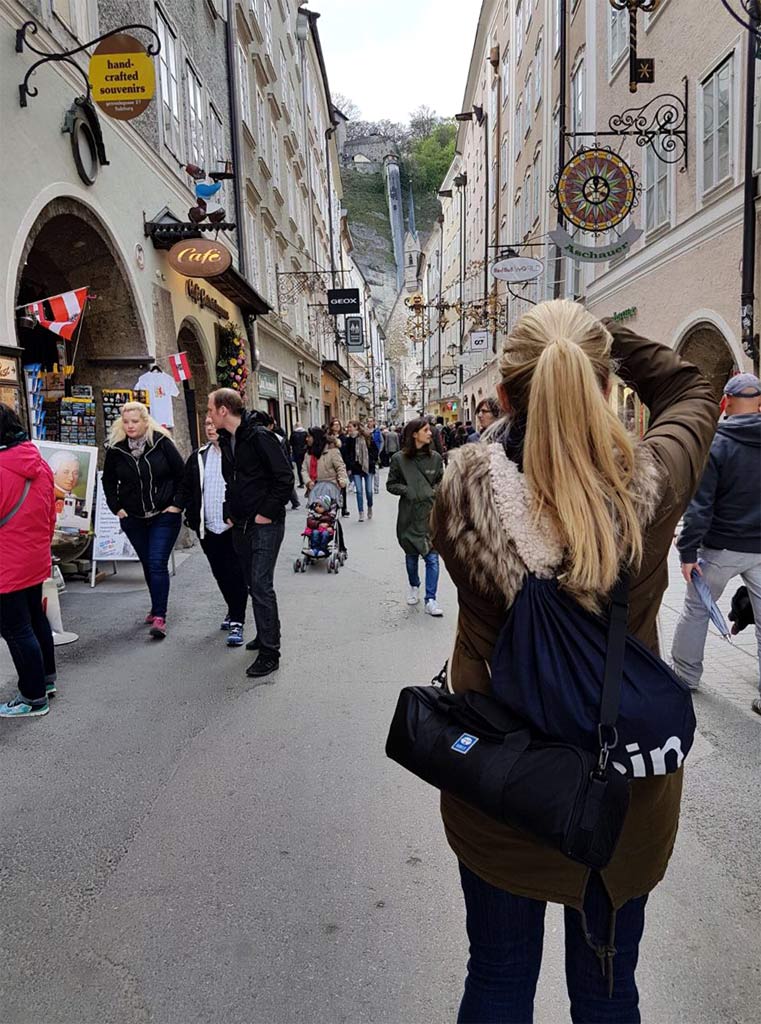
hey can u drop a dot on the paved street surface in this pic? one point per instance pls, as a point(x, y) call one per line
point(181, 846)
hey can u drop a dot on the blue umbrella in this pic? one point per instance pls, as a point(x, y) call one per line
point(713, 609)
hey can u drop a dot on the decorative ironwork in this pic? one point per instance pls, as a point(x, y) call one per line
point(292, 285)
point(641, 69)
point(751, 9)
point(596, 190)
point(66, 56)
point(660, 123)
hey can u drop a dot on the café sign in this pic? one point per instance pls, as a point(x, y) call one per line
point(199, 257)
point(516, 269)
point(202, 298)
point(122, 77)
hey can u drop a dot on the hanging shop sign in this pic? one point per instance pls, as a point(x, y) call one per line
point(8, 370)
point(343, 300)
point(363, 390)
point(591, 253)
point(122, 77)
point(268, 384)
point(596, 190)
point(449, 377)
point(516, 269)
point(355, 337)
point(199, 257)
point(479, 341)
point(289, 393)
point(201, 298)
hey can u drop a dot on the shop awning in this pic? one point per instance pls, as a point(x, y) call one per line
point(236, 288)
point(334, 368)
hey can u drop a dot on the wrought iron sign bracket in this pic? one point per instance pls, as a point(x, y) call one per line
point(664, 127)
point(67, 56)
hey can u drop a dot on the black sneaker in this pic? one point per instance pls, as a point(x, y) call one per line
point(264, 665)
point(253, 645)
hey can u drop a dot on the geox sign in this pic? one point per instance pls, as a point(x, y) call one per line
point(343, 300)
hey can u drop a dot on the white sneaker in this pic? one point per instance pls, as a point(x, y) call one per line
point(361, 517)
point(414, 595)
point(433, 609)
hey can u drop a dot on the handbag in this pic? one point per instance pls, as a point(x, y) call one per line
point(475, 748)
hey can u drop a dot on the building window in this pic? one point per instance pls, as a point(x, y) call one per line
point(73, 14)
point(196, 141)
point(276, 158)
point(539, 72)
point(269, 268)
point(518, 129)
point(619, 35)
point(253, 247)
point(216, 147)
point(536, 188)
point(519, 29)
point(528, 90)
point(170, 92)
point(556, 25)
point(657, 198)
point(503, 161)
point(577, 98)
point(261, 126)
point(268, 27)
point(505, 75)
point(245, 85)
point(555, 142)
point(717, 126)
point(527, 203)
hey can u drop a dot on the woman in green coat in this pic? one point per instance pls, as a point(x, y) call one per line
point(414, 475)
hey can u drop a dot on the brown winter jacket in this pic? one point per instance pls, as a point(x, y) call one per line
point(471, 530)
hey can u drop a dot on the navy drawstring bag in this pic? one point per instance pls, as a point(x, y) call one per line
point(547, 667)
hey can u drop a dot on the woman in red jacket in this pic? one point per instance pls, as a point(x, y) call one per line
point(27, 521)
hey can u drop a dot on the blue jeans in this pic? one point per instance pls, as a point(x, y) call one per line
point(25, 628)
point(361, 482)
point(506, 933)
point(431, 573)
point(153, 540)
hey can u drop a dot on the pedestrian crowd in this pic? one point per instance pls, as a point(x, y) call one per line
point(547, 502)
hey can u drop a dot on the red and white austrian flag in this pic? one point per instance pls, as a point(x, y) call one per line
point(180, 367)
point(60, 313)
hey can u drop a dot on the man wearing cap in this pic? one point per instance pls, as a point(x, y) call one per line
point(721, 535)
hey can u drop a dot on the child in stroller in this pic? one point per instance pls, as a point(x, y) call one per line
point(320, 529)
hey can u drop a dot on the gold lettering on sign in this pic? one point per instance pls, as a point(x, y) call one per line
point(199, 258)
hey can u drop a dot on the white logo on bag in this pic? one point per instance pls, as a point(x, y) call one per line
point(657, 758)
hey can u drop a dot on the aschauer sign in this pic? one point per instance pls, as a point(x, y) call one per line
point(199, 257)
point(121, 77)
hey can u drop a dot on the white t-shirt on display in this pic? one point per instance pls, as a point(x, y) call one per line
point(161, 390)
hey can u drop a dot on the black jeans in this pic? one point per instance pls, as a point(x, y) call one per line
point(257, 547)
point(298, 461)
point(226, 569)
point(153, 540)
point(25, 628)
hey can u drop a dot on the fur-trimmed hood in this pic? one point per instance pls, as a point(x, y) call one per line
point(485, 511)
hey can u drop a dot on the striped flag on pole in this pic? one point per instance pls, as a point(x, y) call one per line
point(65, 312)
point(180, 367)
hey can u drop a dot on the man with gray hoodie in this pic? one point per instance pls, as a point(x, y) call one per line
point(721, 534)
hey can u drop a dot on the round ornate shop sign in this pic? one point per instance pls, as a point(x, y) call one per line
point(199, 257)
point(596, 190)
point(121, 77)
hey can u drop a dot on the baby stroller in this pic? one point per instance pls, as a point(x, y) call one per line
point(323, 535)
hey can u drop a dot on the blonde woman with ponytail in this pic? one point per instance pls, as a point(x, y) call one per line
point(142, 478)
point(561, 490)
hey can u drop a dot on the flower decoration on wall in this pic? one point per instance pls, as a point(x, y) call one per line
point(232, 371)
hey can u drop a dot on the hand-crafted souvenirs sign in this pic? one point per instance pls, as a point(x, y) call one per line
point(121, 77)
point(516, 269)
point(199, 257)
point(596, 190)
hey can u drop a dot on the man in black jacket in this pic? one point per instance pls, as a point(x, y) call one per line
point(721, 533)
point(259, 483)
point(298, 442)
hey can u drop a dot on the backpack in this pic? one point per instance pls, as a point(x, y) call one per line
point(547, 667)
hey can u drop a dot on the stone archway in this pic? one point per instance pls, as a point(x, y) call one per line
point(189, 430)
point(705, 346)
point(68, 247)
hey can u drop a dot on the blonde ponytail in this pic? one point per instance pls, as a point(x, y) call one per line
point(577, 456)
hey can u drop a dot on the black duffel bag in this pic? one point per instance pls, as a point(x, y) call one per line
point(472, 746)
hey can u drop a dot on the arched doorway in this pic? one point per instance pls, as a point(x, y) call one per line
point(189, 433)
point(706, 347)
point(68, 248)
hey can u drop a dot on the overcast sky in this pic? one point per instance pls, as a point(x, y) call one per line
point(391, 56)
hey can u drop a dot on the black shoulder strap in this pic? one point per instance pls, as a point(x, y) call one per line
point(7, 518)
point(614, 656)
